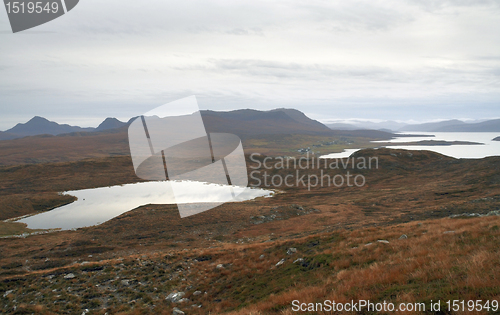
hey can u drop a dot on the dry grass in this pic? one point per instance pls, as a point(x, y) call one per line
point(429, 265)
point(152, 245)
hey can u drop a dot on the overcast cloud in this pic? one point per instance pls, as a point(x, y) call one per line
point(400, 60)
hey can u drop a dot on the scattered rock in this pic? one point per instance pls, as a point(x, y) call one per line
point(262, 256)
point(184, 300)
point(368, 244)
point(177, 311)
point(403, 237)
point(174, 297)
point(383, 241)
point(7, 293)
point(69, 276)
point(125, 282)
point(298, 260)
point(291, 251)
point(448, 232)
point(196, 293)
point(494, 212)
point(491, 213)
point(465, 215)
point(220, 266)
point(281, 262)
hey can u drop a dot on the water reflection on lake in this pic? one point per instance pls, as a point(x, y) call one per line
point(345, 154)
point(487, 148)
point(98, 205)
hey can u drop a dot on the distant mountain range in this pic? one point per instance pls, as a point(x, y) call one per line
point(370, 125)
point(442, 126)
point(434, 126)
point(42, 126)
point(111, 137)
point(456, 126)
point(249, 122)
point(239, 122)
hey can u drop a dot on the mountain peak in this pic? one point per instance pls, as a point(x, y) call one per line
point(37, 119)
point(110, 123)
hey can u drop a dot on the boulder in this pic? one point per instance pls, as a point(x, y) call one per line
point(69, 276)
point(175, 297)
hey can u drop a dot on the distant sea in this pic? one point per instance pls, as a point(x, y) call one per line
point(489, 147)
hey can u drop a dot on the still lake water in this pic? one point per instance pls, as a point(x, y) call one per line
point(98, 205)
point(489, 147)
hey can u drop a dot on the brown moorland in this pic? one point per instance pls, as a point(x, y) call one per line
point(228, 255)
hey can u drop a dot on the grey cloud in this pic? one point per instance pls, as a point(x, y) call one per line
point(234, 31)
point(435, 5)
point(268, 68)
point(324, 72)
point(351, 16)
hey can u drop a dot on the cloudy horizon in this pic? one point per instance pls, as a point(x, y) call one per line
point(412, 60)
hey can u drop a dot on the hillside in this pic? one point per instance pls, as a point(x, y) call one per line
point(7, 136)
point(301, 117)
point(252, 122)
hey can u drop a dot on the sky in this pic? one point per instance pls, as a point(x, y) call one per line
point(404, 60)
